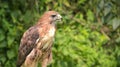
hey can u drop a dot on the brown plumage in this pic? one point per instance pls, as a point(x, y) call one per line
point(36, 42)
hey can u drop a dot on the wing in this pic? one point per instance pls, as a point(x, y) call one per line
point(28, 42)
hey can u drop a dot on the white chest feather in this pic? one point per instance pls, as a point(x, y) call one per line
point(47, 39)
point(51, 32)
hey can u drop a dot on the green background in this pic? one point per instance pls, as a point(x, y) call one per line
point(89, 35)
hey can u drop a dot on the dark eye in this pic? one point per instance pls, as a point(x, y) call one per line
point(53, 16)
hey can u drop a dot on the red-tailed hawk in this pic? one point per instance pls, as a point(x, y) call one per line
point(37, 41)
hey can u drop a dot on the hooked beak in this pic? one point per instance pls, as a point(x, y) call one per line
point(59, 17)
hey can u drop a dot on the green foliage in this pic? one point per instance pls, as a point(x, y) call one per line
point(88, 37)
point(78, 48)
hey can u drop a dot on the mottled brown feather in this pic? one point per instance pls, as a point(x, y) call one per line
point(27, 44)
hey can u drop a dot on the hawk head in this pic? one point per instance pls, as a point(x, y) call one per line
point(50, 17)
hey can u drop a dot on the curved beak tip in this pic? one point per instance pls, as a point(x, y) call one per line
point(59, 16)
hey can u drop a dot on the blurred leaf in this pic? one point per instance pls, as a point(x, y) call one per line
point(3, 44)
point(28, 17)
point(10, 40)
point(2, 11)
point(14, 16)
point(118, 40)
point(2, 37)
point(6, 24)
point(116, 23)
point(2, 58)
point(81, 1)
point(47, 1)
point(66, 2)
point(101, 4)
point(10, 54)
point(90, 15)
point(107, 9)
point(8, 64)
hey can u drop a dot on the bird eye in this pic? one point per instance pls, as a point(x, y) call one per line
point(53, 16)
